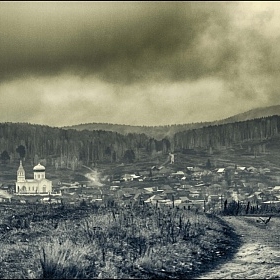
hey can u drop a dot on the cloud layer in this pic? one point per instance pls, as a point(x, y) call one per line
point(146, 63)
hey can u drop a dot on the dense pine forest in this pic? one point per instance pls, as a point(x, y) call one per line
point(72, 148)
point(256, 131)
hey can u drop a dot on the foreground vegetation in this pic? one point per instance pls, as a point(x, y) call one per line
point(137, 241)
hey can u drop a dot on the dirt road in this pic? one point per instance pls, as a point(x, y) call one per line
point(259, 255)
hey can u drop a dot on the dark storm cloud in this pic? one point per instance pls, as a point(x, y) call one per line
point(145, 63)
point(119, 42)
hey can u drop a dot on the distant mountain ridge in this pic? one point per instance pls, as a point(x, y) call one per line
point(254, 114)
point(167, 131)
point(157, 132)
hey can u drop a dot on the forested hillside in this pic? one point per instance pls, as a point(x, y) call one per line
point(226, 135)
point(162, 131)
point(70, 148)
point(157, 132)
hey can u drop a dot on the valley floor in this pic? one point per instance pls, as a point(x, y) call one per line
point(259, 255)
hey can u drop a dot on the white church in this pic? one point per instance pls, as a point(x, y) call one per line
point(38, 185)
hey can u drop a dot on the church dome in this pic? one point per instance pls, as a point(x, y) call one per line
point(39, 167)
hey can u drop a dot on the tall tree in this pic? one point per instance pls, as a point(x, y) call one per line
point(129, 156)
point(5, 157)
point(21, 151)
point(208, 164)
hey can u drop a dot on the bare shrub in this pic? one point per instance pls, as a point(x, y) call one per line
point(66, 261)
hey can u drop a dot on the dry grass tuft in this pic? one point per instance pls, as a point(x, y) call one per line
point(66, 261)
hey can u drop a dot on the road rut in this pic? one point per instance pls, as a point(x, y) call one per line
point(259, 254)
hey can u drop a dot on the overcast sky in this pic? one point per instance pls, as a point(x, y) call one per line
point(137, 63)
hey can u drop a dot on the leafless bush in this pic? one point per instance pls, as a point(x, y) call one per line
point(66, 261)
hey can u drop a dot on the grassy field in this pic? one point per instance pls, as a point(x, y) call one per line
point(140, 241)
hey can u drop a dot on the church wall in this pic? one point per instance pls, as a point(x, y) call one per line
point(38, 185)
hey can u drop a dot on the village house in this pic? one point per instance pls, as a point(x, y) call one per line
point(190, 168)
point(276, 190)
point(252, 169)
point(127, 193)
point(69, 188)
point(271, 202)
point(94, 193)
point(185, 199)
point(8, 187)
point(270, 197)
point(241, 168)
point(166, 187)
point(194, 194)
point(5, 196)
point(148, 190)
point(264, 171)
point(129, 177)
point(175, 185)
point(49, 200)
point(154, 199)
point(169, 194)
point(198, 204)
point(145, 195)
point(214, 198)
point(256, 198)
point(183, 192)
point(178, 174)
point(114, 188)
point(221, 171)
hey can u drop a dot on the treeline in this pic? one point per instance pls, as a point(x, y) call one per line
point(70, 148)
point(157, 132)
point(225, 135)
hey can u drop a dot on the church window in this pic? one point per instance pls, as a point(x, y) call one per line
point(44, 188)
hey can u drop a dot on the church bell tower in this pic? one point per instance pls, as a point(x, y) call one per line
point(20, 173)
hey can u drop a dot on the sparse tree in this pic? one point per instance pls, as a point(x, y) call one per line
point(5, 157)
point(129, 156)
point(208, 164)
point(21, 151)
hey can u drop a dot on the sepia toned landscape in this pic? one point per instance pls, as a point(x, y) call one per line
point(131, 206)
point(139, 140)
